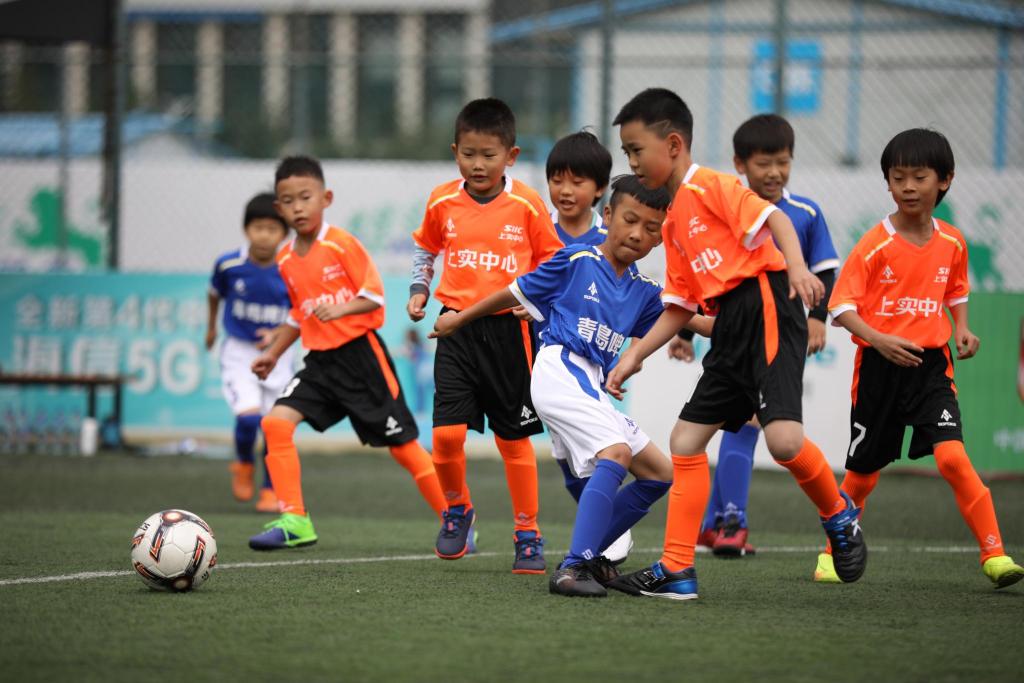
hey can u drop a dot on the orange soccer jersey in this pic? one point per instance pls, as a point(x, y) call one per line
point(335, 270)
point(899, 288)
point(486, 246)
point(715, 237)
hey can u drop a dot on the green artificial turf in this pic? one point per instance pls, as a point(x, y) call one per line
point(922, 612)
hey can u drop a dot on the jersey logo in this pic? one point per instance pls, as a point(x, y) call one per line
point(942, 275)
point(592, 296)
point(706, 261)
point(332, 272)
point(391, 427)
point(527, 416)
point(888, 276)
point(513, 233)
point(946, 420)
point(450, 226)
point(240, 287)
point(696, 227)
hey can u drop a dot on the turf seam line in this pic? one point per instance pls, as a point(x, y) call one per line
point(82, 576)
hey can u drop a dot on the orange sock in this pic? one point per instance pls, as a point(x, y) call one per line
point(417, 462)
point(972, 497)
point(521, 475)
point(450, 463)
point(858, 486)
point(814, 476)
point(687, 498)
point(282, 461)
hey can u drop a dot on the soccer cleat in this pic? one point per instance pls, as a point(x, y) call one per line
point(849, 553)
point(707, 537)
point(241, 480)
point(657, 582)
point(731, 540)
point(529, 553)
point(603, 570)
point(1003, 571)
point(456, 526)
point(825, 572)
point(472, 538)
point(287, 531)
point(267, 501)
point(576, 581)
point(618, 551)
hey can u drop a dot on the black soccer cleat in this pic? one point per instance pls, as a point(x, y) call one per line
point(576, 581)
point(657, 582)
point(604, 570)
point(849, 552)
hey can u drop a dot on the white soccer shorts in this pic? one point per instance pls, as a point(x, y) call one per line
point(580, 417)
point(244, 391)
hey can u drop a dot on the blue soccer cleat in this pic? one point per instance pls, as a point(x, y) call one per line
point(657, 582)
point(456, 528)
point(287, 531)
point(529, 553)
point(849, 553)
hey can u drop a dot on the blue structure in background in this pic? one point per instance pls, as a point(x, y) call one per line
point(802, 76)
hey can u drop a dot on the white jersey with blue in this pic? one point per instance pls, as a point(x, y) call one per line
point(593, 236)
point(811, 229)
point(589, 310)
point(254, 296)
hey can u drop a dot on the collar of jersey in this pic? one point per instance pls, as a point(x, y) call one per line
point(632, 268)
point(507, 188)
point(689, 172)
point(891, 229)
point(319, 236)
point(596, 220)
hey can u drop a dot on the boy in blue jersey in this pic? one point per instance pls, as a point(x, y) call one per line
point(578, 170)
point(763, 148)
point(593, 300)
point(255, 302)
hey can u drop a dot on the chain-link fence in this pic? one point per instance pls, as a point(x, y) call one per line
point(213, 96)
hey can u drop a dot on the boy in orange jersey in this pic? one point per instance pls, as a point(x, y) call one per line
point(890, 296)
point(491, 229)
point(738, 256)
point(337, 305)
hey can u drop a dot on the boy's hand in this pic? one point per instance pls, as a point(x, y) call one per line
point(415, 307)
point(966, 344)
point(815, 336)
point(521, 313)
point(445, 325)
point(897, 350)
point(681, 349)
point(263, 365)
point(328, 312)
point(627, 366)
point(211, 337)
point(806, 285)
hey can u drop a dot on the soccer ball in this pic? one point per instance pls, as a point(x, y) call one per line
point(174, 550)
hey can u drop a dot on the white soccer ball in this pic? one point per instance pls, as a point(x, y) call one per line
point(174, 550)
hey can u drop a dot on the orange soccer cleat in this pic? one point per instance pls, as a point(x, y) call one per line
point(241, 480)
point(267, 501)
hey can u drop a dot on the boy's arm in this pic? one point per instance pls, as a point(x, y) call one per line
point(894, 349)
point(451, 321)
point(967, 342)
point(802, 282)
point(672, 319)
point(360, 304)
point(284, 335)
point(816, 327)
point(212, 305)
point(422, 275)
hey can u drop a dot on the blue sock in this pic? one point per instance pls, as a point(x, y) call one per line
point(595, 512)
point(246, 429)
point(713, 515)
point(267, 483)
point(736, 462)
point(573, 484)
point(631, 504)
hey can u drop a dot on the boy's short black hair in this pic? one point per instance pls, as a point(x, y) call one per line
point(765, 133)
point(298, 166)
point(920, 147)
point(659, 108)
point(658, 198)
point(262, 206)
point(583, 155)
point(490, 116)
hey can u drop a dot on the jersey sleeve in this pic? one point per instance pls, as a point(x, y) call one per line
point(741, 208)
point(677, 288)
point(363, 271)
point(428, 235)
point(537, 289)
point(821, 254)
point(850, 286)
point(959, 285)
point(543, 237)
point(219, 281)
point(650, 313)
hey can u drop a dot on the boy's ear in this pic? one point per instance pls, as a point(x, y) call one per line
point(676, 144)
point(455, 148)
point(328, 198)
point(513, 153)
point(607, 215)
point(740, 165)
point(944, 184)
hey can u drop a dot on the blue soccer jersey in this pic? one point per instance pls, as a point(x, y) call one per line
point(815, 240)
point(588, 309)
point(254, 296)
point(593, 237)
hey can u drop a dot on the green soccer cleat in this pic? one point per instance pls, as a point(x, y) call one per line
point(825, 572)
point(1003, 571)
point(287, 531)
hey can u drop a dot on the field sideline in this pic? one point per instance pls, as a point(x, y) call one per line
point(370, 603)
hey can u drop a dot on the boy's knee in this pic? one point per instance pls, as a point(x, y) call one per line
point(784, 438)
point(449, 438)
point(618, 453)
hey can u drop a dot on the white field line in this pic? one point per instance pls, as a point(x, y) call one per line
point(82, 576)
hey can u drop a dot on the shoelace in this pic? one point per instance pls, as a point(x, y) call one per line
point(453, 523)
point(528, 547)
